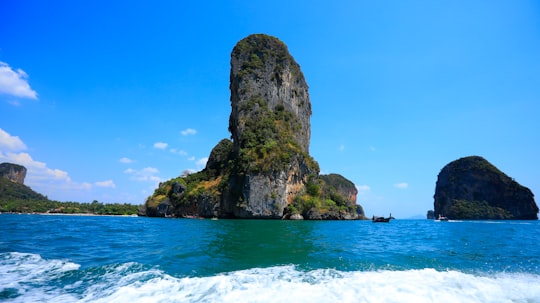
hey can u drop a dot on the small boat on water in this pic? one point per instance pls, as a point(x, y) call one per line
point(376, 219)
point(442, 218)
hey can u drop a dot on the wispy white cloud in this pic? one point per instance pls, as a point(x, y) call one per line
point(9, 152)
point(363, 188)
point(146, 174)
point(201, 163)
point(125, 160)
point(178, 151)
point(341, 147)
point(107, 183)
point(15, 83)
point(188, 131)
point(402, 185)
point(10, 143)
point(160, 145)
point(187, 172)
point(372, 148)
point(40, 177)
point(14, 102)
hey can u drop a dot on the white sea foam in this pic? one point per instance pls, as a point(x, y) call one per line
point(133, 283)
point(25, 277)
point(287, 284)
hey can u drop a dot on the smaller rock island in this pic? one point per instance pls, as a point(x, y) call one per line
point(472, 188)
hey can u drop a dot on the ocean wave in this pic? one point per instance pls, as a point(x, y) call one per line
point(30, 278)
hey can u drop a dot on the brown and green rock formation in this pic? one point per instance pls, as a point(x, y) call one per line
point(13, 172)
point(265, 171)
point(12, 184)
point(472, 188)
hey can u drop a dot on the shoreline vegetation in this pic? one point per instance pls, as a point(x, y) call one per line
point(15, 197)
point(48, 207)
point(73, 215)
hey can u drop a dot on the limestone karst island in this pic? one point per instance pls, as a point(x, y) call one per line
point(472, 188)
point(265, 171)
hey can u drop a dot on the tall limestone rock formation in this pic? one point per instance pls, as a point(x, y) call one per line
point(270, 126)
point(266, 170)
point(13, 172)
point(263, 73)
point(472, 188)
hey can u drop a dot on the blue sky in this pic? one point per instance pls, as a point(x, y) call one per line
point(102, 100)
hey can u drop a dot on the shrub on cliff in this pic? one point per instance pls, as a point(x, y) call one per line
point(327, 194)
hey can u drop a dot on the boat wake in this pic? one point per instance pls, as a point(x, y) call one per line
point(30, 278)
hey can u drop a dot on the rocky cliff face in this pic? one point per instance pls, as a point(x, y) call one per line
point(472, 188)
point(265, 77)
point(270, 126)
point(266, 170)
point(13, 172)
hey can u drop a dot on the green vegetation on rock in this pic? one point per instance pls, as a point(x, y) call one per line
point(474, 210)
point(267, 143)
point(325, 196)
point(260, 48)
point(10, 190)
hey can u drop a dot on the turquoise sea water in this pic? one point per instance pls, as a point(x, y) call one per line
point(47, 258)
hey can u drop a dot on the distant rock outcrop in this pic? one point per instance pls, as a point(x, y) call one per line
point(12, 186)
point(266, 170)
point(13, 172)
point(472, 188)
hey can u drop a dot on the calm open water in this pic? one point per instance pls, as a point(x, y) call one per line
point(130, 259)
